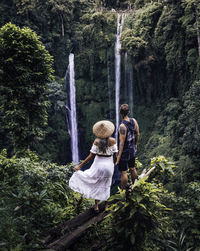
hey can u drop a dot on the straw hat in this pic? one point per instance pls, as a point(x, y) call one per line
point(103, 129)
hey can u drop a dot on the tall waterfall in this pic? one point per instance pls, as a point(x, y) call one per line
point(109, 84)
point(128, 83)
point(71, 108)
point(131, 88)
point(120, 20)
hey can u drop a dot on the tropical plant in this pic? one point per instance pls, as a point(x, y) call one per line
point(25, 69)
point(140, 215)
point(55, 146)
point(34, 198)
point(179, 245)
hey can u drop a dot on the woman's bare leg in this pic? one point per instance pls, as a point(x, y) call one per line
point(96, 205)
point(106, 204)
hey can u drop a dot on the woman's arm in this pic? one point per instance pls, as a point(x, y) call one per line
point(85, 161)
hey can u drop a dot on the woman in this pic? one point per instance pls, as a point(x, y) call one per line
point(95, 182)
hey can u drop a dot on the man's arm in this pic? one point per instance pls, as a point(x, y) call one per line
point(137, 132)
point(122, 137)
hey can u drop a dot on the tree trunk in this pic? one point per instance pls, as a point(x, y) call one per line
point(65, 235)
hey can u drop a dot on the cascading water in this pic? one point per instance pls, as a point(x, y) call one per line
point(125, 89)
point(109, 84)
point(71, 109)
point(128, 83)
point(120, 20)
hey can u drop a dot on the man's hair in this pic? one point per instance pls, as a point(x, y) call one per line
point(124, 110)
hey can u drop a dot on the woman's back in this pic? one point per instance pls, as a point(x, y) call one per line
point(104, 146)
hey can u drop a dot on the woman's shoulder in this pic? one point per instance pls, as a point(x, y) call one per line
point(96, 142)
point(111, 141)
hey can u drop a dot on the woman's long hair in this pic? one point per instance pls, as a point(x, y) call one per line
point(102, 144)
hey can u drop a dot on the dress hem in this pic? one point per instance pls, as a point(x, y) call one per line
point(88, 197)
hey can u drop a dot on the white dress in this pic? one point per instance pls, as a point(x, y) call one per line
point(95, 182)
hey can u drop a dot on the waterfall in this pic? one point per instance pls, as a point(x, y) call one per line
point(71, 109)
point(125, 89)
point(120, 20)
point(128, 83)
point(109, 84)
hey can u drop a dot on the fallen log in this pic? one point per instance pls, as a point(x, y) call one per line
point(145, 173)
point(68, 239)
point(64, 235)
point(72, 224)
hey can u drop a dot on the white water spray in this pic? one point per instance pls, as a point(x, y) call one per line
point(109, 84)
point(118, 45)
point(71, 107)
point(128, 83)
point(131, 88)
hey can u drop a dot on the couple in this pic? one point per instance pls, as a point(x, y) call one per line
point(95, 182)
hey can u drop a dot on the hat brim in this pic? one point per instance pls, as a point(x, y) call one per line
point(103, 129)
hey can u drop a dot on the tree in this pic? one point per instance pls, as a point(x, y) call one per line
point(189, 121)
point(25, 69)
point(56, 131)
point(191, 19)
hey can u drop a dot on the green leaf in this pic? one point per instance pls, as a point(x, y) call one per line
point(132, 239)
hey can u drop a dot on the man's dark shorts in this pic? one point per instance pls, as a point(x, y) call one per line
point(125, 164)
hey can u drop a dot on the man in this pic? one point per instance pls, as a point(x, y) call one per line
point(128, 139)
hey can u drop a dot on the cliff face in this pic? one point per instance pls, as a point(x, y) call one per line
point(159, 61)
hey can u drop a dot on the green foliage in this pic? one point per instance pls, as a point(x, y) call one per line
point(97, 32)
point(190, 119)
point(137, 216)
point(25, 70)
point(135, 45)
point(163, 139)
point(163, 170)
point(141, 25)
point(116, 4)
point(56, 132)
point(139, 41)
point(179, 245)
point(91, 108)
point(164, 53)
point(141, 3)
point(139, 219)
point(160, 37)
point(176, 133)
point(190, 20)
point(191, 23)
point(34, 197)
point(172, 45)
point(148, 115)
point(186, 216)
point(161, 40)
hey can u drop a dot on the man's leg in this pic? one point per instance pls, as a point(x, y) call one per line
point(124, 179)
point(132, 169)
point(134, 174)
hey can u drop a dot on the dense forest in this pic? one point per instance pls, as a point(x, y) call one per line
point(161, 48)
